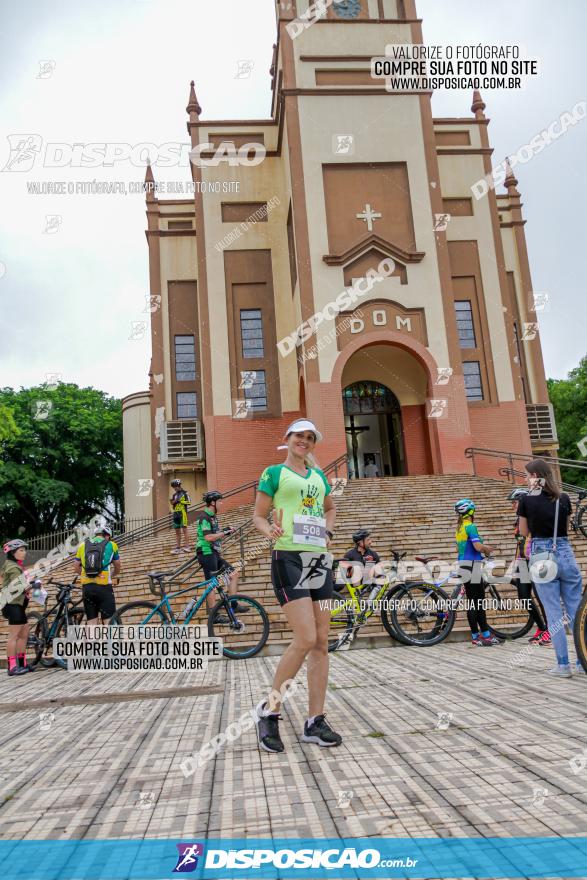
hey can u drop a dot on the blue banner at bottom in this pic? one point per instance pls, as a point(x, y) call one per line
point(257, 859)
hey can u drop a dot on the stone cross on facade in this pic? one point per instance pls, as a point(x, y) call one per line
point(368, 215)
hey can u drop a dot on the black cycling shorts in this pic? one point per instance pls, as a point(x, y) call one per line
point(99, 601)
point(213, 563)
point(301, 575)
point(15, 614)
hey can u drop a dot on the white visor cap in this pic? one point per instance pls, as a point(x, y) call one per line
point(303, 425)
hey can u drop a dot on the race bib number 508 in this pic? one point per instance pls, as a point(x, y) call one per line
point(309, 530)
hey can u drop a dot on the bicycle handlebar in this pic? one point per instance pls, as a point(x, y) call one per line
point(61, 585)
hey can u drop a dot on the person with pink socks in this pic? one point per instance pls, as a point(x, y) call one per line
point(13, 602)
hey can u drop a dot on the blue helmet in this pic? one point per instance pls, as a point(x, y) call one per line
point(465, 506)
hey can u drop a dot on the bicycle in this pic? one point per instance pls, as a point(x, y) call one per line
point(579, 520)
point(580, 631)
point(64, 612)
point(222, 620)
point(421, 613)
point(352, 613)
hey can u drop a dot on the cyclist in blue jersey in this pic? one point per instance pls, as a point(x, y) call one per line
point(471, 549)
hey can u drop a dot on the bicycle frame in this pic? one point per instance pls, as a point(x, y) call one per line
point(576, 517)
point(62, 612)
point(353, 603)
point(214, 583)
point(437, 585)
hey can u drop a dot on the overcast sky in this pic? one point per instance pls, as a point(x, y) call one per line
point(73, 287)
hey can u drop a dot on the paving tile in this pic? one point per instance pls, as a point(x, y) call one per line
point(485, 775)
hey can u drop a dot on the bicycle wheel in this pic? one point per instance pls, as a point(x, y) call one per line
point(38, 646)
point(37, 639)
point(243, 633)
point(503, 620)
point(341, 622)
point(386, 604)
point(418, 614)
point(582, 520)
point(580, 632)
point(75, 619)
point(136, 613)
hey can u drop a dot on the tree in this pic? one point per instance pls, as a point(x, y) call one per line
point(569, 399)
point(8, 427)
point(60, 458)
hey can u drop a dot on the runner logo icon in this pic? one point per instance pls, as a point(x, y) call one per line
point(315, 567)
point(187, 859)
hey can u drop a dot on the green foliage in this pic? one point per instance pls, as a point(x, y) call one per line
point(60, 458)
point(569, 399)
point(8, 429)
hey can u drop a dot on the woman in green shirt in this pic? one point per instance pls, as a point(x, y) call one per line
point(301, 573)
point(14, 600)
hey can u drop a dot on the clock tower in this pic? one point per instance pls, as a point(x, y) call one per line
point(365, 182)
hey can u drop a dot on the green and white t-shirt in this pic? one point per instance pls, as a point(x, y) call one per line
point(302, 502)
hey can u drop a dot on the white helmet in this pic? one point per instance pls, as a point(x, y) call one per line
point(103, 530)
point(304, 425)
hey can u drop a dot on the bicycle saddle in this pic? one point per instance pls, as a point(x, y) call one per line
point(425, 559)
point(158, 574)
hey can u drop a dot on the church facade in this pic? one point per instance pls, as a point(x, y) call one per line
point(336, 262)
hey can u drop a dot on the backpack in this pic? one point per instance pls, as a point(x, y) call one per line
point(94, 557)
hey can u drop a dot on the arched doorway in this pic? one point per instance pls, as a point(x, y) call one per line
point(373, 425)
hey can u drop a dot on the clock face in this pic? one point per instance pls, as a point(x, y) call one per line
point(347, 8)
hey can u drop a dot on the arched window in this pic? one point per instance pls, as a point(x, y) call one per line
point(369, 398)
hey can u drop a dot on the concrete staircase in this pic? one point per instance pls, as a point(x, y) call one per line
point(412, 514)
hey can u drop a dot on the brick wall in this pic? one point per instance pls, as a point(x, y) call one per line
point(416, 442)
point(237, 450)
point(499, 427)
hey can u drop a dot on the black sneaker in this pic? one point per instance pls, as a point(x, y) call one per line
point(268, 730)
point(238, 608)
point(321, 733)
point(16, 670)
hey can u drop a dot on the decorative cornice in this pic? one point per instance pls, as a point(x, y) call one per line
point(380, 244)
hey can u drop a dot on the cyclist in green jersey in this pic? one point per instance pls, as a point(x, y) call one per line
point(301, 573)
point(208, 538)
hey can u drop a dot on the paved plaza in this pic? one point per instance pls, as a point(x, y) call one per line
point(98, 755)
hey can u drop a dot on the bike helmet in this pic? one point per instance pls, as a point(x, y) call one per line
point(13, 545)
point(464, 506)
point(361, 535)
point(176, 483)
point(212, 495)
point(517, 493)
point(103, 530)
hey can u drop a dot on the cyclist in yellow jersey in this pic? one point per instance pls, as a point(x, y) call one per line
point(301, 573)
point(97, 591)
point(179, 503)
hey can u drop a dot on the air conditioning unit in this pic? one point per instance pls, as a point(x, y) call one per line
point(181, 440)
point(541, 423)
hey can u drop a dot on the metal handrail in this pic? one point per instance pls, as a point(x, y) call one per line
point(473, 451)
point(166, 521)
point(240, 531)
point(334, 465)
point(568, 487)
